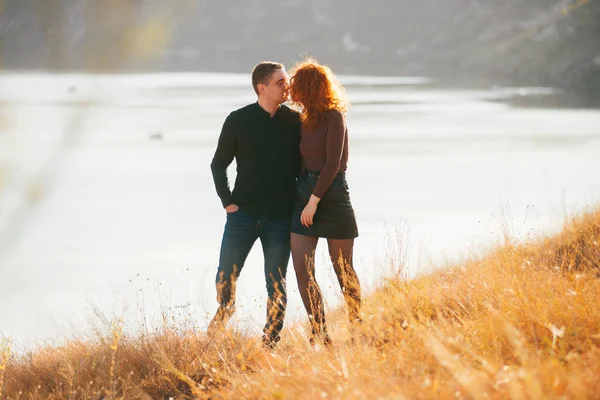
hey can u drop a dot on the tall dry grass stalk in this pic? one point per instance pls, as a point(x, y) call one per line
point(522, 322)
point(4, 357)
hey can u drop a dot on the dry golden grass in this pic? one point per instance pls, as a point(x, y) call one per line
point(523, 322)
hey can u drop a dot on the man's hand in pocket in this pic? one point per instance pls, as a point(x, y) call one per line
point(231, 208)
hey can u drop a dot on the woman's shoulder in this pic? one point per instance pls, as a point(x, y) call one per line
point(336, 116)
point(335, 113)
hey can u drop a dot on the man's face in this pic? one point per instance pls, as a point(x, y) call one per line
point(277, 88)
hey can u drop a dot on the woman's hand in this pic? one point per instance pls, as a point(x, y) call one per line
point(309, 211)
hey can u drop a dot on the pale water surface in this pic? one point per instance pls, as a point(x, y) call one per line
point(108, 206)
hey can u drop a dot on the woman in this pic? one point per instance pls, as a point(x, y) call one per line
point(322, 208)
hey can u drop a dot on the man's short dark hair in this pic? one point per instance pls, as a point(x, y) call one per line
point(262, 73)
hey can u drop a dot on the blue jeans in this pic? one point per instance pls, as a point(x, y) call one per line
point(241, 231)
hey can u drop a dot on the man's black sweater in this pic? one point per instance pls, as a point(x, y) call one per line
point(267, 154)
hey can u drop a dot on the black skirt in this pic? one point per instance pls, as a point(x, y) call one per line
point(334, 218)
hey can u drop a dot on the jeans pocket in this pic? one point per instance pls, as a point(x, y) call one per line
point(239, 225)
point(238, 218)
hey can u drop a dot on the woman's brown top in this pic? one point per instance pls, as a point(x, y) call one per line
point(325, 149)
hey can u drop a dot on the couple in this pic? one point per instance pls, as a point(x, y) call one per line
point(290, 190)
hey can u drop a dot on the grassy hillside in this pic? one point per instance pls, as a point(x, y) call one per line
point(522, 322)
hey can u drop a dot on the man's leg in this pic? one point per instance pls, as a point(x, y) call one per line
point(239, 236)
point(275, 240)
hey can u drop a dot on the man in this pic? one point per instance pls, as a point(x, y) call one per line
point(264, 139)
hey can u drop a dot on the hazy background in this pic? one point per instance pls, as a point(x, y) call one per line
point(472, 122)
point(524, 42)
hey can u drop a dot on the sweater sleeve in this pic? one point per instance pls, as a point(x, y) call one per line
point(336, 129)
point(222, 159)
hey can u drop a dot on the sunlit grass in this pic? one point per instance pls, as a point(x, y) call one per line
point(521, 322)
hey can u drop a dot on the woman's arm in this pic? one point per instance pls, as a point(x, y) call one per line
point(336, 129)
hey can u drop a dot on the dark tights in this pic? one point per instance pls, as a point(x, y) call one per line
point(340, 251)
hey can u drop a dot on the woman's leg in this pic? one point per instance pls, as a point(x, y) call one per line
point(341, 252)
point(303, 256)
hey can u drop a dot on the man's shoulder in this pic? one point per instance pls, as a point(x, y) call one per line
point(246, 110)
point(240, 116)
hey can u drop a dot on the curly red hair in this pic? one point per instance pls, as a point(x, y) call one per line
point(315, 89)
